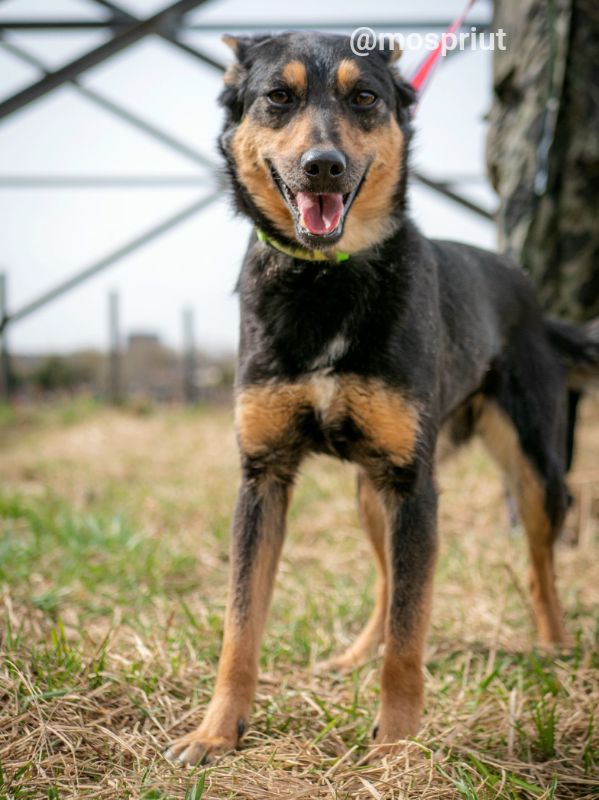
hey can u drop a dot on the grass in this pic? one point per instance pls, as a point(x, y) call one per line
point(113, 563)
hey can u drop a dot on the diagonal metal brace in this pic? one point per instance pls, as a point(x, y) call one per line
point(121, 40)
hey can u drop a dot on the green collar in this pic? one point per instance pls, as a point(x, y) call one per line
point(299, 252)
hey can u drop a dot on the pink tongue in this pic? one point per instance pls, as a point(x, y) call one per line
point(320, 213)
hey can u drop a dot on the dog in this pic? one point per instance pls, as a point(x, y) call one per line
point(362, 339)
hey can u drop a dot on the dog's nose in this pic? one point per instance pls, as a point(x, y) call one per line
point(323, 163)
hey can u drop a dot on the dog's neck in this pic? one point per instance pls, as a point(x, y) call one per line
point(293, 308)
point(300, 253)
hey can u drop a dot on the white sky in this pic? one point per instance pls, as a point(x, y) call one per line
point(48, 234)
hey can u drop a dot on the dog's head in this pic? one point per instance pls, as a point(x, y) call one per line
point(316, 138)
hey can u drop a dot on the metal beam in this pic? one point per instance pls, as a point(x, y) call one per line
point(443, 189)
point(396, 26)
point(120, 111)
point(114, 9)
point(169, 36)
point(109, 260)
point(46, 181)
point(198, 54)
point(128, 36)
point(102, 181)
point(136, 24)
point(54, 26)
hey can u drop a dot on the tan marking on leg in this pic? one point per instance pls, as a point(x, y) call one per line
point(348, 74)
point(402, 681)
point(368, 220)
point(231, 703)
point(501, 439)
point(295, 76)
point(541, 575)
point(265, 413)
point(385, 416)
point(372, 515)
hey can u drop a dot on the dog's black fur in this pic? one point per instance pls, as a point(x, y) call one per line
point(450, 331)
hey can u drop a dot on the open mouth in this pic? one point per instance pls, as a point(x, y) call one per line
point(317, 215)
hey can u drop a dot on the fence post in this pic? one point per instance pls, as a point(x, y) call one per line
point(115, 392)
point(5, 382)
point(190, 389)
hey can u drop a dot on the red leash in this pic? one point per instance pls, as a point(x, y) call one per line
point(424, 71)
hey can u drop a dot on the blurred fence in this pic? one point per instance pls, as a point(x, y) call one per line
point(133, 364)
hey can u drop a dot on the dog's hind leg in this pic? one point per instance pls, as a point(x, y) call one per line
point(541, 500)
point(372, 516)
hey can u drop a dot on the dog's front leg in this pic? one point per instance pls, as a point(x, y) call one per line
point(411, 551)
point(257, 537)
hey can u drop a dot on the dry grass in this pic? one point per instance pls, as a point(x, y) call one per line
point(113, 562)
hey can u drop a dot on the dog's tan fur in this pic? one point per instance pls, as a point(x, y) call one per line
point(266, 415)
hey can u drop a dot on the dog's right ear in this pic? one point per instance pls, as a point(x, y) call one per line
point(232, 95)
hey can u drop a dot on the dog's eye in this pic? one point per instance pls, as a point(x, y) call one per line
point(364, 99)
point(279, 98)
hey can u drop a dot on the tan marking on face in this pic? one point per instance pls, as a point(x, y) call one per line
point(389, 422)
point(252, 146)
point(348, 73)
point(368, 219)
point(295, 76)
point(501, 439)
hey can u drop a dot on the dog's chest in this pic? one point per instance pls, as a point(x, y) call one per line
point(340, 413)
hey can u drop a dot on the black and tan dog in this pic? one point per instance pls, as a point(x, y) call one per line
point(362, 339)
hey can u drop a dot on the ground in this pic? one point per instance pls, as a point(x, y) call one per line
point(113, 563)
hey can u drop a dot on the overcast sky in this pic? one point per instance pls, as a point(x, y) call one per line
point(48, 234)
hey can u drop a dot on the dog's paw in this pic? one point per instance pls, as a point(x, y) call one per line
point(198, 748)
point(391, 734)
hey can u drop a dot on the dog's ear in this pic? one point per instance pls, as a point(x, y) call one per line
point(405, 94)
point(243, 46)
point(390, 49)
point(234, 78)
